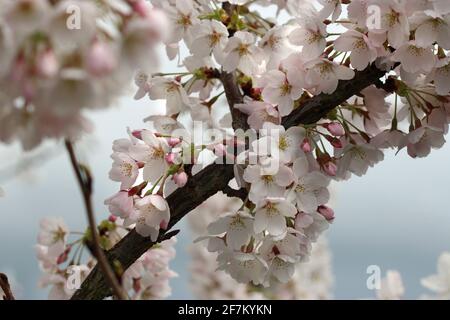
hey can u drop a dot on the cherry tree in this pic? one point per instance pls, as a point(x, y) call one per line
point(264, 110)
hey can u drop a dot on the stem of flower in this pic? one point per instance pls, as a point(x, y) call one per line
point(85, 183)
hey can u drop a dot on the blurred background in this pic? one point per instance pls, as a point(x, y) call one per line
point(396, 217)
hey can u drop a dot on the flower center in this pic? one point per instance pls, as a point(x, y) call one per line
point(243, 49)
point(58, 235)
point(214, 38)
point(300, 188)
point(416, 51)
point(267, 179)
point(184, 20)
point(157, 153)
point(314, 37)
point(283, 144)
point(360, 44)
point(285, 88)
point(237, 223)
point(271, 209)
point(126, 169)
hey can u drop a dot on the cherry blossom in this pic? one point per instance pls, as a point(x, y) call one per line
point(124, 170)
point(311, 35)
point(152, 153)
point(282, 90)
point(152, 213)
point(324, 75)
point(242, 53)
point(270, 215)
point(309, 187)
point(238, 227)
point(211, 36)
point(363, 51)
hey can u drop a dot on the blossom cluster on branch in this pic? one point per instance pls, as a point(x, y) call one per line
point(311, 280)
point(268, 71)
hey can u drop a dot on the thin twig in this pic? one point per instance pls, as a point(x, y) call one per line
point(4, 284)
point(85, 182)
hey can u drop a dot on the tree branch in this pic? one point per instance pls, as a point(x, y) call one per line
point(234, 96)
point(4, 285)
point(216, 177)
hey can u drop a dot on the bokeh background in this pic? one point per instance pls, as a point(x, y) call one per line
point(396, 217)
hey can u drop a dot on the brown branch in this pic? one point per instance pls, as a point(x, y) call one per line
point(85, 182)
point(216, 177)
point(319, 106)
point(4, 285)
point(234, 96)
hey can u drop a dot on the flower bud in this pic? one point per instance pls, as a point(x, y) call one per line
point(335, 142)
point(180, 179)
point(46, 64)
point(335, 128)
point(137, 134)
point(326, 212)
point(170, 158)
point(306, 146)
point(100, 59)
point(330, 168)
point(140, 7)
point(173, 142)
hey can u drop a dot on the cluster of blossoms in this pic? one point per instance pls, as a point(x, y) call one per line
point(312, 280)
point(392, 286)
point(60, 57)
point(65, 268)
point(278, 68)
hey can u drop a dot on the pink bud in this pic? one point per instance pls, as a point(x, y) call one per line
point(62, 258)
point(170, 158)
point(220, 150)
point(100, 59)
point(46, 64)
point(335, 142)
point(137, 134)
point(173, 142)
point(140, 7)
point(112, 218)
point(335, 128)
point(140, 164)
point(326, 212)
point(306, 146)
point(330, 168)
point(180, 179)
